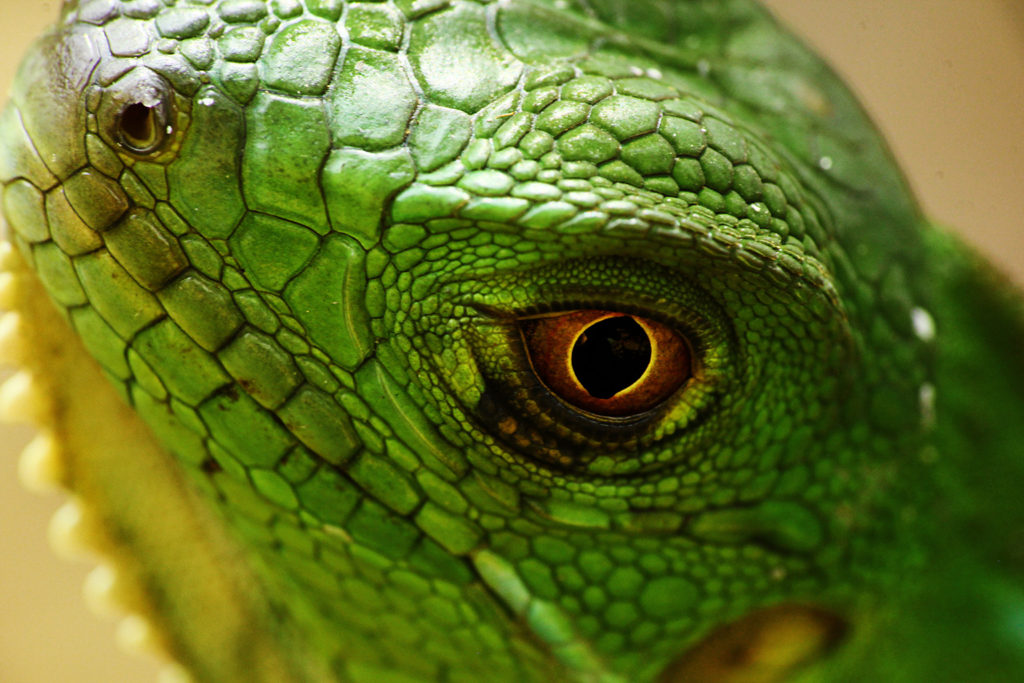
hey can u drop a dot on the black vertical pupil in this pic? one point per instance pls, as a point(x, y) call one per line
point(611, 355)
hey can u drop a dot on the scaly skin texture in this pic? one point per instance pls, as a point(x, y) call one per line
point(310, 290)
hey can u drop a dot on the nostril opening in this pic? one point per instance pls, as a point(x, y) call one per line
point(139, 127)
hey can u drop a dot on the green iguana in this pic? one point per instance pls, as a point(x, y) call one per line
point(512, 340)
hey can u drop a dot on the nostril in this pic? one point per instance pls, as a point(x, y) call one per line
point(137, 112)
point(140, 130)
point(137, 123)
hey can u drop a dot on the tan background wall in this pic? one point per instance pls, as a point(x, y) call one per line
point(945, 80)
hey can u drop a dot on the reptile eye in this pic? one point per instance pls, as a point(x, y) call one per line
point(606, 362)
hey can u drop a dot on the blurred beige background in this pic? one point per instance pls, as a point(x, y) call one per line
point(945, 81)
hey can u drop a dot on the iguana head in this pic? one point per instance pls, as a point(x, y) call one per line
point(527, 339)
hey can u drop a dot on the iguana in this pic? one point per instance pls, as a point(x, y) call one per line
point(525, 340)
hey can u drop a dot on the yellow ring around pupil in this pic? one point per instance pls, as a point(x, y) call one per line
point(551, 342)
point(638, 381)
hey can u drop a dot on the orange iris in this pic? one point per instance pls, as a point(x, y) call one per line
point(607, 362)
